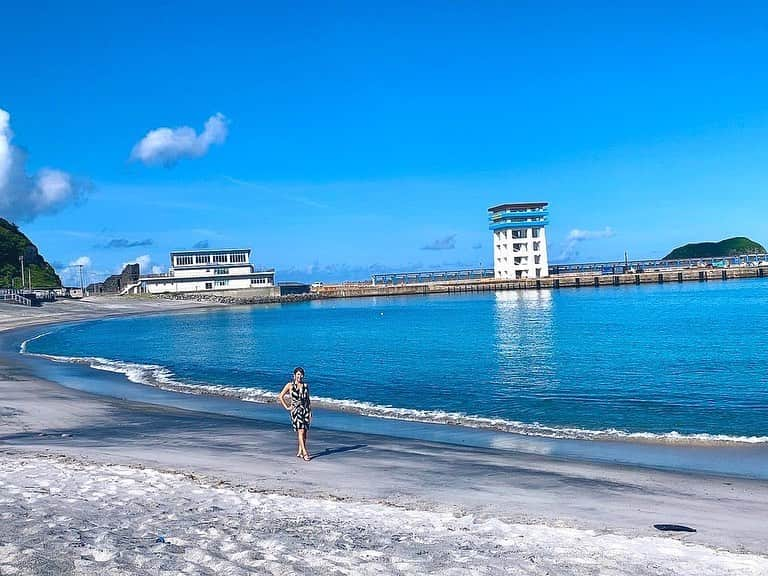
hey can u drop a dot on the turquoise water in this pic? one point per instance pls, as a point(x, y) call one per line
point(682, 362)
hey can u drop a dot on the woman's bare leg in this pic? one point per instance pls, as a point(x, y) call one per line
point(303, 442)
point(298, 437)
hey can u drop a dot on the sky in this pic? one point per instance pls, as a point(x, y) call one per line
point(337, 139)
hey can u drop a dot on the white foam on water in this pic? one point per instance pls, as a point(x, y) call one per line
point(178, 524)
point(162, 377)
point(23, 347)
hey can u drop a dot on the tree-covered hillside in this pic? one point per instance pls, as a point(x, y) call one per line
point(731, 247)
point(13, 243)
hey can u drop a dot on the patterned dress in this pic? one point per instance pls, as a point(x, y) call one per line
point(300, 407)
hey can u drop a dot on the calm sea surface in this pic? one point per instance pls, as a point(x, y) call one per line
point(640, 361)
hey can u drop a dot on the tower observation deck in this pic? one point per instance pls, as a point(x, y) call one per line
point(519, 240)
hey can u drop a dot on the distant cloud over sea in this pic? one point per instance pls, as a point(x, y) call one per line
point(446, 243)
point(576, 237)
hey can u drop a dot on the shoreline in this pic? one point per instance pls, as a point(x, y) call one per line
point(697, 454)
point(541, 496)
point(163, 378)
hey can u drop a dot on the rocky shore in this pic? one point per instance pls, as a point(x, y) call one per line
point(219, 299)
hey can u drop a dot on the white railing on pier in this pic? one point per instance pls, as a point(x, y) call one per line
point(651, 265)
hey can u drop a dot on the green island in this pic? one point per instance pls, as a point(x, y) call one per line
point(13, 245)
point(737, 246)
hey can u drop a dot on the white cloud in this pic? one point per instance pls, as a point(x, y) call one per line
point(157, 269)
point(167, 145)
point(25, 196)
point(144, 261)
point(81, 261)
point(577, 236)
point(70, 274)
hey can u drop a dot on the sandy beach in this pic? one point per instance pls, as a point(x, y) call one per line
point(97, 485)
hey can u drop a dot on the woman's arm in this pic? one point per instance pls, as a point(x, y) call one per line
point(281, 396)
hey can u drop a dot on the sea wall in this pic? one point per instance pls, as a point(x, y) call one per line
point(350, 290)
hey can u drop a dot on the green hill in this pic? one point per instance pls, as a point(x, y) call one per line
point(13, 243)
point(731, 247)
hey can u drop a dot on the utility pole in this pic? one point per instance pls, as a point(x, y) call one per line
point(82, 289)
point(29, 273)
point(21, 259)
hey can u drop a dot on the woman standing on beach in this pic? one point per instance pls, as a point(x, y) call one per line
point(300, 408)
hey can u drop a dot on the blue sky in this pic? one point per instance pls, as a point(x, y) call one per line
point(374, 135)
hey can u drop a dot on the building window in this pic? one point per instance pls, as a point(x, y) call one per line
point(237, 257)
point(208, 285)
point(183, 260)
point(538, 272)
point(536, 232)
point(202, 259)
point(536, 246)
point(219, 258)
point(219, 271)
point(220, 283)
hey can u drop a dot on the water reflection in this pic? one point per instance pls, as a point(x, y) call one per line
point(524, 323)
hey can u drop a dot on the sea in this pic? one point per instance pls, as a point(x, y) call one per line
point(673, 363)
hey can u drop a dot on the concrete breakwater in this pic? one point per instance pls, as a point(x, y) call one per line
point(362, 289)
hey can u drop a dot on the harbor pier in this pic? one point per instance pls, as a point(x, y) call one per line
point(594, 276)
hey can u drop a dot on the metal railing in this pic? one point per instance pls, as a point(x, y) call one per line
point(431, 276)
point(651, 265)
point(15, 296)
point(615, 267)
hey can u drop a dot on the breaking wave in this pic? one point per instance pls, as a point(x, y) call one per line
point(162, 377)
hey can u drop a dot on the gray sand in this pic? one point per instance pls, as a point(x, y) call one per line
point(39, 417)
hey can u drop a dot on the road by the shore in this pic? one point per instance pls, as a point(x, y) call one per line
point(40, 418)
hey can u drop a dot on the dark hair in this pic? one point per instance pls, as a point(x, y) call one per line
point(297, 370)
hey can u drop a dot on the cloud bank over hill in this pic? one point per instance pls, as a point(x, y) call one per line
point(25, 196)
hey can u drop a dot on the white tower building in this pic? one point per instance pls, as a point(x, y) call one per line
point(519, 240)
